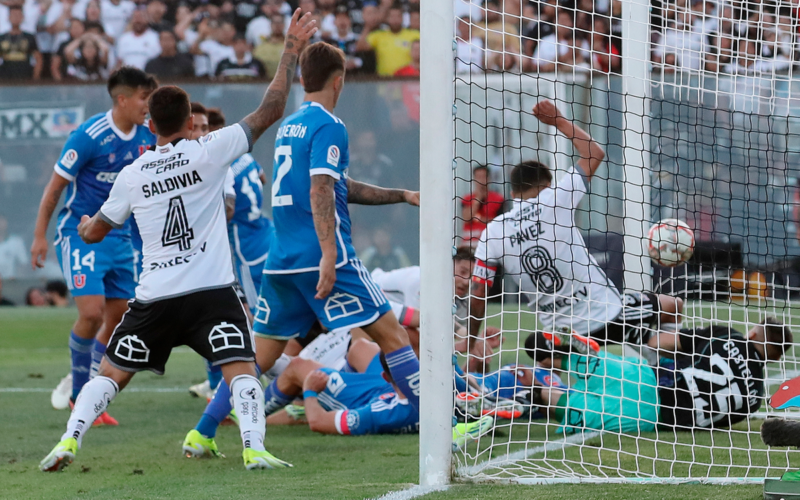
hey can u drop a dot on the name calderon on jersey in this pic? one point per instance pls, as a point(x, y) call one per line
point(171, 183)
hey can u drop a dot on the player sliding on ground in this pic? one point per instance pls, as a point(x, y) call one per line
point(715, 379)
point(540, 248)
point(312, 272)
point(185, 295)
point(100, 277)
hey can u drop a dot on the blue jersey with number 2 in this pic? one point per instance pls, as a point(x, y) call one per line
point(91, 159)
point(310, 142)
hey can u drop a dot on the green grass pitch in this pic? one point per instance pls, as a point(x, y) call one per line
point(142, 458)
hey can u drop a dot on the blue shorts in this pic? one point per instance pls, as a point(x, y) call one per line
point(351, 390)
point(375, 366)
point(249, 278)
point(104, 268)
point(287, 308)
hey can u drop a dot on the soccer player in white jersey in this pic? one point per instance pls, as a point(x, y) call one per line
point(541, 249)
point(185, 295)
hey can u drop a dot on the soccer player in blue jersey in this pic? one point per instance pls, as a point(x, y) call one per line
point(100, 277)
point(312, 272)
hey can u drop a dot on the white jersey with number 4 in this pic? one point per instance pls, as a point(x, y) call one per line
point(539, 247)
point(175, 193)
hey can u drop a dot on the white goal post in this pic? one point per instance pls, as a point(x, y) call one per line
point(670, 133)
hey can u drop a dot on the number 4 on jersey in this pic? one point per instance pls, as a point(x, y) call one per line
point(176, 227)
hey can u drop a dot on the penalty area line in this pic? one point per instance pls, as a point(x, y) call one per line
point(413, 492)
point(154, 390)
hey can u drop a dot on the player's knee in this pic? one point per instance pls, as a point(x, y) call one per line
point(299, 368)
point(91, 316)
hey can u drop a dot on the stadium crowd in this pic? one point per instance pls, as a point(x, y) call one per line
point(239, 40)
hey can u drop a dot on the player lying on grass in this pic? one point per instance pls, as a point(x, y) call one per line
point(540, 248)
point(100, 277)
point(715, 380)
point(185, 295)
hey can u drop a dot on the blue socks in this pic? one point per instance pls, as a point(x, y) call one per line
point(214, 374)
point(215, 412)
point(98, 351)
point(275, 399)
point(81, 356)
point(404, 368)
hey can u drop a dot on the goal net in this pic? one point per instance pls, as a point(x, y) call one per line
point(697, 107)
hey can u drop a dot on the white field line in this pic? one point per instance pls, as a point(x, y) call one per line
point(413, 492)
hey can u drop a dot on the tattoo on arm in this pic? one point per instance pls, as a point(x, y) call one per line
point(274, 102)
point(323, 208)
point(360, 193)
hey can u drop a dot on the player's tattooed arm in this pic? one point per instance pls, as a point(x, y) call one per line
point(590, 151)
point(360, 193)
point(301, 29)
point(323, 210)
point(50, 197)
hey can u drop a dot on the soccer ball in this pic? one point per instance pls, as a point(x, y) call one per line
point(670, 242)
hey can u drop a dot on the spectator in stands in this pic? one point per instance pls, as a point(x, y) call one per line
point(58, 61)
point(260, 28)
point(746, 60)
point(704, 20)
point(392, 46)
point(242, 66)
point(605, 55)
point(4, 301)
point(244, 12)
point(57, 293)
point(115, 15)
point(480, 206)
point(91, 62)
point(500, 33)
point(367, 163)
point(680, 41)
point(470, 56)
point(327, 13)
point(13, 253)
point(269, 51)
point(785, 34)
point(156, 10)
point(140, 44)
point(35, 297)
point(215, 43)
point(170, 64)
point(358, 62)
point(772, 56)
point(414, 17)
point(384, 254)
point(543, 26)
point(411, 69)
point(562, 47)
point(43, 18)
point(18, 51)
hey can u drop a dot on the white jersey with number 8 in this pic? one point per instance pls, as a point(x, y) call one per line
point(540, 248)
point(175, 192)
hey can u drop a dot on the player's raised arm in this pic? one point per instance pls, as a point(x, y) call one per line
point(591, 152)
point(301, 29)
point(360, 193)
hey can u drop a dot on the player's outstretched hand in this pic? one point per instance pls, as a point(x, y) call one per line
point(412, 197)
point(327, 276)
point(300, 31)
point(315, 381)
point(547, 112)
point(38, 252)
point(493, 336)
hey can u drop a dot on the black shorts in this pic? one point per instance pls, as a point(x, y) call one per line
point(637, 322)
point(212, 322)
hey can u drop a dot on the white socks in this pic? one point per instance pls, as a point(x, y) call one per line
point(278, 368)
point(92, 401)
point(248, 401)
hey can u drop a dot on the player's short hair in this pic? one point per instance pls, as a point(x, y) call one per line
point(15, 7)
point(216, 119)
point(128, 79)
point(464, 252)
point(385, 367)
point(58, 287)
point(778, 337)
point(198, 109)
point(318, 63)
point(530, 174)
point(485, 168)
point(169, 109)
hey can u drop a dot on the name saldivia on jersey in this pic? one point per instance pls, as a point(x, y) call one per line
point(171, 183)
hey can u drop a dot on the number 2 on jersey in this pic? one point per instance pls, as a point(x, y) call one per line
point(176, 227)
point(285, 199)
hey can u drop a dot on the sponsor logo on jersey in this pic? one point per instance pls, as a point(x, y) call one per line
point(342, 305)
point(333, 156)
point(142, 149)
point(163, 150)
point(79, 280)
point(107, 139)
point(226, 336)
point(171, 183)
point(112, 157)
point(178, 259)
point(69, 158)
point(209, 137)
point(109, 177)
point(128, 156)
point(165, 164)
point(132, 348)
